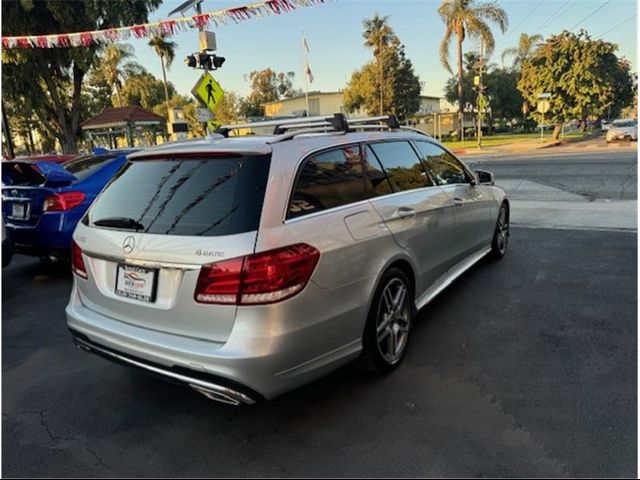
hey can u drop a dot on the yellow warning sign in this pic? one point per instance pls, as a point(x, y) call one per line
point(212, 125)
point(208, 91)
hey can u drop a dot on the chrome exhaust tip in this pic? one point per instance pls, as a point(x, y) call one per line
point(211, 390)
point(223, 395)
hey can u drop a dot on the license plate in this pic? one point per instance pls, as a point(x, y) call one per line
point(136, 282)
point(20, 211)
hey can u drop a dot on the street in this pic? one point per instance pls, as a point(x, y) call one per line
point(613, 177)
point(523, 367)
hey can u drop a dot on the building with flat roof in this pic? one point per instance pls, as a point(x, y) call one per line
point(327, 103)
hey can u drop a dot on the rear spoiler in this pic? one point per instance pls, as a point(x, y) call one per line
point(39, 174)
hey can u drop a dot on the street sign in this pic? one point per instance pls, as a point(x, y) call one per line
point(204, 115)
point(213, 125)
point(482, 102)
point(208, 91)
point(543, 106)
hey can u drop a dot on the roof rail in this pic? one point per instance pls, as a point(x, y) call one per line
point(290, 127)
point(336, 121)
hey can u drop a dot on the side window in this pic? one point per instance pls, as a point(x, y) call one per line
point(444, 167)
point(379, 181)
point(331, 179)
point(402, 165)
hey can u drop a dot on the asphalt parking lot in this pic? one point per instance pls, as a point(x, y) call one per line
point(524, 367)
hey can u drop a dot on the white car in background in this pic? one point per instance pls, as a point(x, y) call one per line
point(626, 129)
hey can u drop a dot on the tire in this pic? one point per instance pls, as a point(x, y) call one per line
point(384, 348)
point(500, 240)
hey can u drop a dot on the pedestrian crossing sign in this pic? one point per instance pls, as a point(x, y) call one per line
point(208, 91)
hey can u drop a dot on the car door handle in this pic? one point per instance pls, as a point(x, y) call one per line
point(458, 202)
point(405, 212)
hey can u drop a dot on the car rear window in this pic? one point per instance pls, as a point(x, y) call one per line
point(198, 196)
point(624, 123)
point(85, 166)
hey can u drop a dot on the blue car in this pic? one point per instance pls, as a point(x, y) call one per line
point(43, 201)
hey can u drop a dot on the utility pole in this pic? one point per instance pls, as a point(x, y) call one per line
point(481, 100)
point(381, 75)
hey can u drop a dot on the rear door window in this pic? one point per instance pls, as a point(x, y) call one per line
point(332, 179)
point(444, 167)
point(402, 165)
point(199, 196)
point(85, 166)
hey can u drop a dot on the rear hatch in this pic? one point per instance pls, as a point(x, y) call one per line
point(26, 185)
point(159, 220)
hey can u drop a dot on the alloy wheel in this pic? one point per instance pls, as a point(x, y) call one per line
point(502, 231)
point(394, 321)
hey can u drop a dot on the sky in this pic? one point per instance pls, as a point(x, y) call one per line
point(334, 34)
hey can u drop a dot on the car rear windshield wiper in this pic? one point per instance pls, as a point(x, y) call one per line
point(120, 222)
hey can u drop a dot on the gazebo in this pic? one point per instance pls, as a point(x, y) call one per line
point(133, 123)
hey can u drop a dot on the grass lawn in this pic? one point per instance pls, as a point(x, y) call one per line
point(510, 138)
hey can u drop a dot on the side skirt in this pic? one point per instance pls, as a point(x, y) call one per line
point(445, 280)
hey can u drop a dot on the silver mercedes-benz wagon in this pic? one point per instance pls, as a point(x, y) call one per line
point(244, 266)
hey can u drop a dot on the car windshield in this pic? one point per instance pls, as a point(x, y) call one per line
point(624, 123)
point(195, 196)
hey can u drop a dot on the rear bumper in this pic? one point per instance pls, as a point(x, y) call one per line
point(210, 386)
point(52, 234)
point(265, 356)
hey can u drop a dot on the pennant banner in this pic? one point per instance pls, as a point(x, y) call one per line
point(164, 27)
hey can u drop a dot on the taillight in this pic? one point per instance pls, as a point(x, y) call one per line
point(77, 263)
point(261, 278)
point(63, 201)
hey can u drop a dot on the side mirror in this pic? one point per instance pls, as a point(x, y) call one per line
point(485, 178)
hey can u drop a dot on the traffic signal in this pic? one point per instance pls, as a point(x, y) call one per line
point(218, 61)
point(204, 60)
point(191, 61)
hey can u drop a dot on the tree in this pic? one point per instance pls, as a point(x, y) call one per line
point(228, 109)
point(266, 86)
point(146, 90)
point(526, 45)
point(284, 83)
point(584, 78)
point(502, 89)
point(115, 67)
point(52, 79)
point(468, 17)
point(388, 84)
point(470, 59)
point(377, 35)
point(166, 50)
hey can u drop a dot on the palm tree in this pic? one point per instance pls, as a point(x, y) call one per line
point(166, 51)
point(526, 46)
point(377, 35)
point(468, 17)
point(114, 67)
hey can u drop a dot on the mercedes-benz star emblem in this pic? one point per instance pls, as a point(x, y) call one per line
point(129, 244)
